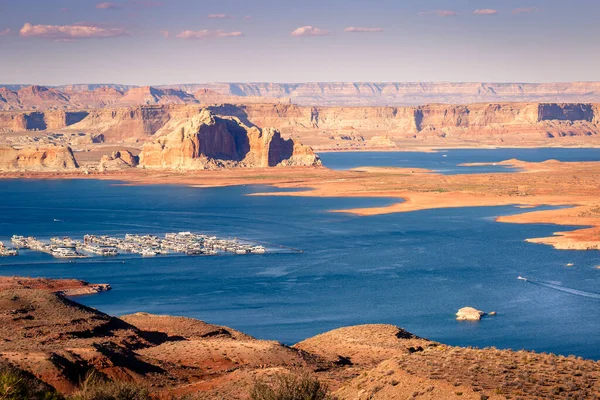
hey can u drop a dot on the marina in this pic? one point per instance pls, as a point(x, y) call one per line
point(187, 243)
point(7, 252)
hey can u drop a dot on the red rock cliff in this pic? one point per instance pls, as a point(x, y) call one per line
point(205, 141)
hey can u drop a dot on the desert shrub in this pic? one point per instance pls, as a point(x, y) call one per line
point(96, 387)
point(290, 387)
point(16, 385)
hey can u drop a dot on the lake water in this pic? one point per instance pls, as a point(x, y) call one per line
point(414, 270)
point(447, 161)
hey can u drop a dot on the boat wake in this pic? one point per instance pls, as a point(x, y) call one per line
point(559, 288)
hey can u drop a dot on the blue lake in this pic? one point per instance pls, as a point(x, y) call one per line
point(414, 270)
point(447, 161)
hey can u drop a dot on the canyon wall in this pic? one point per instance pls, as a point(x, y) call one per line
point(206, 141)
point(39, 120)
point(494, 121)
point(414, 120)
point(51, 158)
point(407, 93)
point(16, 97)
point(128, 124)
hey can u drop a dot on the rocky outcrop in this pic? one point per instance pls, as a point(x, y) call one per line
point(117, 160)
point(205, 141)
point(469, 314)
point(51, 158)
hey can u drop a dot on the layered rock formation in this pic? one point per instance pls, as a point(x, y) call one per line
point(511, 124)
point(39, 120)
point(407, 93)
point(126, 124)
point(416, 119)
point(16, 97)
point(205, 141)
point(99, 96)
point(51, 158)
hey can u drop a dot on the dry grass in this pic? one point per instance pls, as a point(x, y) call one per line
point(290, 387)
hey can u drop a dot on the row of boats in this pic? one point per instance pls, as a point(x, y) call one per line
point(145, 245)
point(7, 252)
point(55, 248)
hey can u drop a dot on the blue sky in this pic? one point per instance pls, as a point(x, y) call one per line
point(183, 41)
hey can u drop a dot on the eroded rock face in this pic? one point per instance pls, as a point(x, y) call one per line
point(118, 160)
point(51, 158)
point(205, 141)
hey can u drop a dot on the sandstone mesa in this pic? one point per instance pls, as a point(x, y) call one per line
point(208, 142)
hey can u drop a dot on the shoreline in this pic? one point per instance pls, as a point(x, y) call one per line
point(550, 182)
point(438, 149)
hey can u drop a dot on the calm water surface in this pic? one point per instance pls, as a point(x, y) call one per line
point(414, 269)
point(447, 161)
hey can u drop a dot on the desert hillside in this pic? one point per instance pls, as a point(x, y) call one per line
point(58, 342)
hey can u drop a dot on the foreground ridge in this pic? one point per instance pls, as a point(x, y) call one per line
point(60, 341)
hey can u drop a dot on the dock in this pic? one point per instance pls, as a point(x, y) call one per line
point(7, 252)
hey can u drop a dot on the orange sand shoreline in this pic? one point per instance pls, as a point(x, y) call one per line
point(574, 185)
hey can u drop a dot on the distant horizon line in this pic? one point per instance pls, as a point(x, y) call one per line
point(298, 83)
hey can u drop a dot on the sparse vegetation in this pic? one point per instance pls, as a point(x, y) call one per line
point(15, 385)
point(290, 387)
point(96, 387)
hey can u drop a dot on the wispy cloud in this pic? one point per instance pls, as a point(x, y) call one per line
point(247, 17)
point(165, 33)
point(309, 31)
point(108, 6)
point(64, 10)
point(525, 10)
point(207, 34)
point(440, 13)
point(5, 32)
point(353, 29)
point(485, 11)
point(70, 32)
point(219, 16)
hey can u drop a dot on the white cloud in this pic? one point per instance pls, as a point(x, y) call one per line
point(165, 33)
point(5, 32)
point(207, 34)
point(69, 32)
point(309, 31)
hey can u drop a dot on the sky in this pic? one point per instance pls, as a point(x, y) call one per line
point(152, 42)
